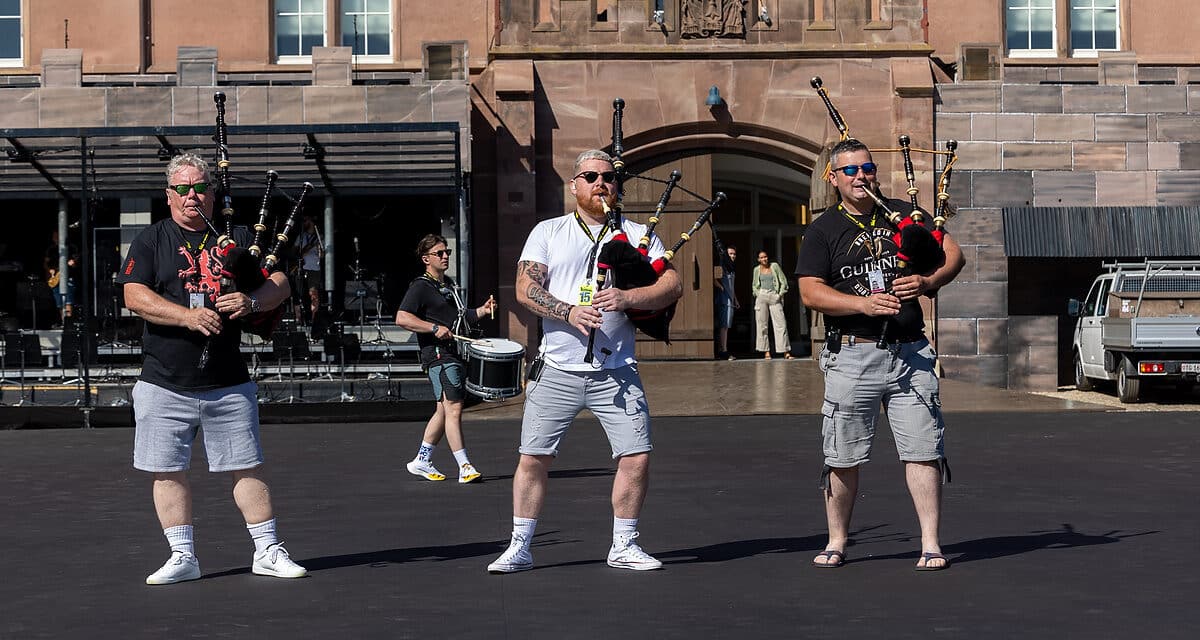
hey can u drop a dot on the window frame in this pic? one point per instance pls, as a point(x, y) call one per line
point(301, 58)
point(1032, 53)
point(1093, 53)
point(391, 36)
point(19, 60)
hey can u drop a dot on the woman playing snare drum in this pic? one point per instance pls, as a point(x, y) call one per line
point(429, 310)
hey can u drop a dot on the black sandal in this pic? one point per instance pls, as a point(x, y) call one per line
point(830, 554)
point(927, 556)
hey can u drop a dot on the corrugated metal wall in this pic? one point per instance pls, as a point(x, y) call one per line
point(1101, 232)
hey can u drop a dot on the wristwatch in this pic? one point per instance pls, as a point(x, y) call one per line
point(434, 328)
point(253, 304)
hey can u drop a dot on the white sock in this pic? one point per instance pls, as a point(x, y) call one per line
point(263, 534)
point(460, 456)
point(524, 527)
point(425, 452)
point(624, 527)
point(180, 539)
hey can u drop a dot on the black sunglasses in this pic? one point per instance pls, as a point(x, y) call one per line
point(444, 253)
point(183, 189)
point(590, 176)
point(852, 169)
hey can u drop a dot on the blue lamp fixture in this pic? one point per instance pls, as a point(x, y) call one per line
point(714, 97)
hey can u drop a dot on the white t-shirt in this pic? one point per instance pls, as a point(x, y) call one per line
point(561, 245)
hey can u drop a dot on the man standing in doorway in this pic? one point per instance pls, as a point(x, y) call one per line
point(725, 299)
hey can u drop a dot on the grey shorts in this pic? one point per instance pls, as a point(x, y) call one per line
point(862, 378)
point(615, 396)
point(448, 378)
point(167, 422)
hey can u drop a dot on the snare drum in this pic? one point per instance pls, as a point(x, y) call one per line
point(494, 368)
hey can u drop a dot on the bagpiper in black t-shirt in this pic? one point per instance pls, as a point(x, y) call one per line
point(842, 249)
point(175, 263)
point(432, 301)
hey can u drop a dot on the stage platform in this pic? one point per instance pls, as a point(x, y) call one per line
point(1060, 524)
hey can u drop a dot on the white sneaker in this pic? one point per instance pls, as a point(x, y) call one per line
point(181, 567)
point(275, 561)
point(516, 558)
point(626, 554)
point(425, 469)
point(467, 473)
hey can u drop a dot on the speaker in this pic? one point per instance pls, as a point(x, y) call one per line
point(341, 347)
point(17, 343)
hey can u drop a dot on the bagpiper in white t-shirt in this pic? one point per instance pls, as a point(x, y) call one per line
point(563, 246)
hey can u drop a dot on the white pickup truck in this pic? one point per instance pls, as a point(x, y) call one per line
point(1140, 321)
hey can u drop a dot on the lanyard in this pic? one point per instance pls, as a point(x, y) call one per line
point(586, 230)
point(872, 247)
point(199, 249)
point(856, 221)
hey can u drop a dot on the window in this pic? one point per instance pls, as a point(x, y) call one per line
point(367, 27)
point(1093, 26)
point(299, 26)
point(1029, 27)
point(11, 44)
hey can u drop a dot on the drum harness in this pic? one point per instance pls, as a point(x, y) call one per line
point(449, 293)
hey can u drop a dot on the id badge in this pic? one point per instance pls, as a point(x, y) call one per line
point(586, 290)
point(875, 278)
point(195, 300)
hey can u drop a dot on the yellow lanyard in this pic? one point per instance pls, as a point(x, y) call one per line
point(198, 249)
point(586, 230)
point(856, 221)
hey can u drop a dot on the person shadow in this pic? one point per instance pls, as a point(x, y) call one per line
point(1064, 537)
point(739, 549)
point(384, 557)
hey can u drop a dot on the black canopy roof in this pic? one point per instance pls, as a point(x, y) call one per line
point(339, 159)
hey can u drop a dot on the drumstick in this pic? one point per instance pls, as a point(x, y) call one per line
point(466, 339)
point(492, 311)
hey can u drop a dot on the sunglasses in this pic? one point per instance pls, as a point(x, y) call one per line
point(590, 176)
point(183, 189)
point(852, 169)
point(444, 253)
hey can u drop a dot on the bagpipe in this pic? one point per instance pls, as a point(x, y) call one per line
point(246, 269)
point(918, 247)
point(629, 265)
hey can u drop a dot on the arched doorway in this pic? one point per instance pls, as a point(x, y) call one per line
point(766, 209)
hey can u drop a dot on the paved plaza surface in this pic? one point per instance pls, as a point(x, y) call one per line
point(1067, 523)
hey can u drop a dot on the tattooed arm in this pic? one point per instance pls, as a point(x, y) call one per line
point(532, 294)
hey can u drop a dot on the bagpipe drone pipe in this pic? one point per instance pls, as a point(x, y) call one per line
point(919, 248)
point(624, 265)
point(245, 269)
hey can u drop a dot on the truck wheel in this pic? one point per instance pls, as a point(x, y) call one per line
point(1082, 382)
point(1127, 387)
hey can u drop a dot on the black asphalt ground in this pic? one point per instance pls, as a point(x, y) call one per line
point(1073, 524)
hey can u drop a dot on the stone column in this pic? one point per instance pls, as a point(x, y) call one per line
point(516, 188)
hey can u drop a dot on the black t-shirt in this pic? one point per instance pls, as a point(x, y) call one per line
point(434, 302)
point(836, 250)
point(170, 261)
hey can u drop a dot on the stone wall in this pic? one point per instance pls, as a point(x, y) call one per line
point(1048, 145)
